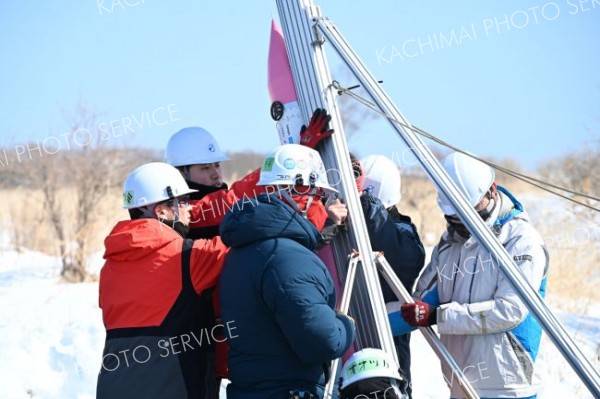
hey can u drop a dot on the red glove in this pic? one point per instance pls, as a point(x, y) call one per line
point(317, 130)
point(419, 314)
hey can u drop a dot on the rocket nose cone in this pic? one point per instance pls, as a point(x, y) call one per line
point(275, 27)
point(280, 81)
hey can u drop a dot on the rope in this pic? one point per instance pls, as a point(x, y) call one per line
point(517, 175)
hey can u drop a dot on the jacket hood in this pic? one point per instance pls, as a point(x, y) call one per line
point(263, 218)
point(510, 208)
point(134, 239)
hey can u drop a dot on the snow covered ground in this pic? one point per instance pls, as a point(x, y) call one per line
point(52, 333)
point(52, 338)
point(557, 378)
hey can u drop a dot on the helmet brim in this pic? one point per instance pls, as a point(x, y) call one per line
point(196, 161)
point(185, 192)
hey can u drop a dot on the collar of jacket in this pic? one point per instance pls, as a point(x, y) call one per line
point(509, 209)
point(203, 190)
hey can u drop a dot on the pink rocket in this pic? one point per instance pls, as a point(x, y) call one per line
point(284, 101)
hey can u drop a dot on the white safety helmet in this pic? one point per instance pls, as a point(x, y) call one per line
point(192, 146)
point(152, 183)
point(381, 179)
point(473, 177)
point(294, 164)
point(368, 363)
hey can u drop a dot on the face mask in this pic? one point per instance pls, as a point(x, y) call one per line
point(316, 211)
point(456, 225)
point(487, 212)
point(178, 226)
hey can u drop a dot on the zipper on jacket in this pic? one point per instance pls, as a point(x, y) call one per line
point(523, 357)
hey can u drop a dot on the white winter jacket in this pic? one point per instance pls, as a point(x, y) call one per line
point(481, 320)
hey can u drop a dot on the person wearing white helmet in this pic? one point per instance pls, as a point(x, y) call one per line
point(371, 373)
point(197, 155)
point(275, 287)
point(150, 293)
point(145, 197)
point(390, 232)
point(482, 321)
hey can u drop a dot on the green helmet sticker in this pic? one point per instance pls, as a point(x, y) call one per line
point(268, 164)
point(128, 198)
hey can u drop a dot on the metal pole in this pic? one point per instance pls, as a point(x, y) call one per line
point(430, 335)
point(476, 226)
point(312, 80)
point(344, 305)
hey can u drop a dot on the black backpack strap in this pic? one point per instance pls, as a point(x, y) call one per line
point(186, 275)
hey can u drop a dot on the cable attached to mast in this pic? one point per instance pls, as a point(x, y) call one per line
point(517, 175)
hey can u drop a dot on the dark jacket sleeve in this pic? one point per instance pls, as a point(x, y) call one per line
point(299, 295)
point(328, 233)
point(397, 237)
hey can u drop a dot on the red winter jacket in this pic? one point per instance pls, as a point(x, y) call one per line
point(142, 275)
point(210, 210)
point(150, 295)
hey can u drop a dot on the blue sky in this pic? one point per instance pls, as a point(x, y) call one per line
point(510, 79)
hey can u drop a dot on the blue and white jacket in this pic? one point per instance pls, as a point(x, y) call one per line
point(481, 320)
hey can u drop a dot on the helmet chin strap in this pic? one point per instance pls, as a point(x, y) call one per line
point(148, 211)
point(175, 205)
point(176, 223)
point(285, 194)
point(176, 210)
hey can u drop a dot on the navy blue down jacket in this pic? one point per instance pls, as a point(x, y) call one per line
point(279, 297)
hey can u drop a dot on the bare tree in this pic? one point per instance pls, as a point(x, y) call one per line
point(578, 172)
point(75, 182)
point(51, 181)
